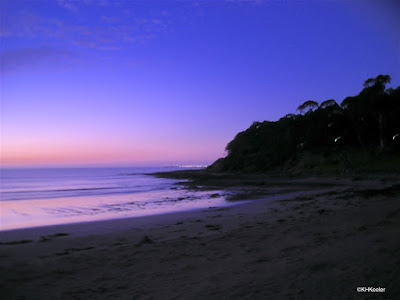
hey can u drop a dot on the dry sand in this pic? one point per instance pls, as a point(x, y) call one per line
point(322, 244)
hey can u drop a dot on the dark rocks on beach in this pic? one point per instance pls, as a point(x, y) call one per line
point(216, 195)
point(51, 236)
point(213, 227)
point(16, 242)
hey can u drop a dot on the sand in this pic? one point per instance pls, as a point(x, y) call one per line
point(318, 243)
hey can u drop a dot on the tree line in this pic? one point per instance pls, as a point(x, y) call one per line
point(369, 121)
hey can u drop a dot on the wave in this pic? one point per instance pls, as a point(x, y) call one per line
point(85, 189)
point(59, 183)
point(58, 190)
point(50, 194)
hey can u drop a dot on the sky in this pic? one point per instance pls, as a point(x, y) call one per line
point(156, 82)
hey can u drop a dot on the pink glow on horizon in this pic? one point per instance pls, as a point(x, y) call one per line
point(99, 153)
point(76, 88)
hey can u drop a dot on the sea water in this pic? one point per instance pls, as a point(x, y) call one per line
point(46, 196)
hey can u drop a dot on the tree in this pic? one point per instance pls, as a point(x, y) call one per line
point(375, 102)
point(352, 111)
point(290, 116)
point(380, 80)
point(328, 103)
point(310, 104)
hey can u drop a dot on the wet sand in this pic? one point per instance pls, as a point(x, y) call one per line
point(318, 240)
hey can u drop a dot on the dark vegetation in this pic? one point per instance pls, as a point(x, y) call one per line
point(362, 133)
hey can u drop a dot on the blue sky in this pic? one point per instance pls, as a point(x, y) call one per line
point(158, 81)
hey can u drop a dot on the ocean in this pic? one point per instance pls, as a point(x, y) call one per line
point(47, 196)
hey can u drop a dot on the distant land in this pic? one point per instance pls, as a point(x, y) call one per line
point(360, 134)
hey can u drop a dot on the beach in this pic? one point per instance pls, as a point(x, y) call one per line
point(216, 150)
point(317, 238)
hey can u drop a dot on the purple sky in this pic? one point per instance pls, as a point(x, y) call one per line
point(143, 82)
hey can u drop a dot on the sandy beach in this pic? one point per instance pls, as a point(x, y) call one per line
point(318, 238)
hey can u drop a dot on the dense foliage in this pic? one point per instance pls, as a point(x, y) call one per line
point(369, 122)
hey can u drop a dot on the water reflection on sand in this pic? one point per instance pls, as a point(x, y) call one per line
point(31, 213)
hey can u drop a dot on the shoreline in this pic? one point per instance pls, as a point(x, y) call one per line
point(322, 243)
point(106, 226)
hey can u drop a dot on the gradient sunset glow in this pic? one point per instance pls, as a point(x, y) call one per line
point(113, 82)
